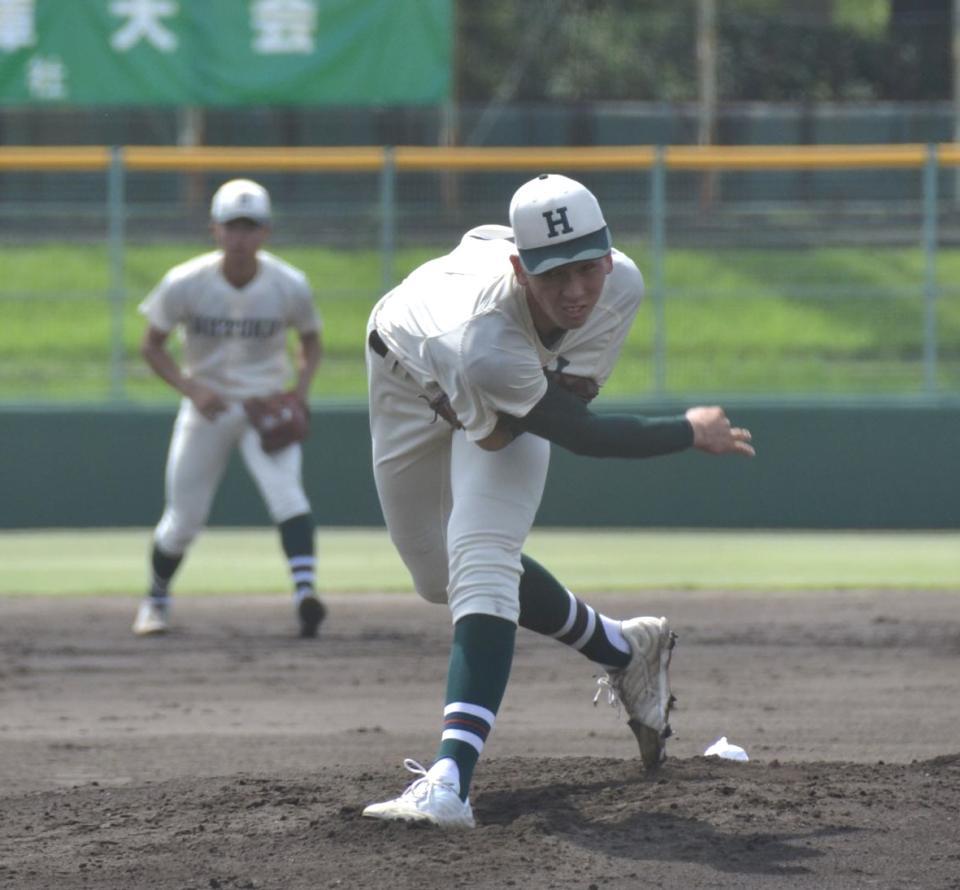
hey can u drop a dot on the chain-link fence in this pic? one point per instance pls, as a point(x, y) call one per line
point(785, 273)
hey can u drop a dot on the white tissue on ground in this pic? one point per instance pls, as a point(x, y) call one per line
point(722, 748)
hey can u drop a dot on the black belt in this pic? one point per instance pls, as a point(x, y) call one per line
point(377, 344)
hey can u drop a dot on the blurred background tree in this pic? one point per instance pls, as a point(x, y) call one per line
point(518, 66)
point(768, 50)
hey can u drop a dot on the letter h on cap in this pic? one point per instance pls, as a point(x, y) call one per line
point(557, 219)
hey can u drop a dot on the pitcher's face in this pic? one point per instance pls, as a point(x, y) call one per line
point(564, 297)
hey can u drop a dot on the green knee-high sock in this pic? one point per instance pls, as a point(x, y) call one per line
point(296, 537)
point(164, 565)
point(477, 677)
point(548, 608)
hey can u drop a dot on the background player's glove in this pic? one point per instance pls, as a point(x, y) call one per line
point(280, 420)
point(584, 388)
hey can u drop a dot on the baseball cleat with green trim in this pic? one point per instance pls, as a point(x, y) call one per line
point(425, 800)
point(643, 686)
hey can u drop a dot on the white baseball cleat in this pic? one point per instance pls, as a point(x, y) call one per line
point(643, 686)
point(425, 800)
point(152, 618)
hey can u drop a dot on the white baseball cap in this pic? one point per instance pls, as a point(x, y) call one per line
point(240, 199)
point(557, 220)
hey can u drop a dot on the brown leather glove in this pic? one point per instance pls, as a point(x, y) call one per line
point(280, 420)
point(442, 408)
point(584, 388)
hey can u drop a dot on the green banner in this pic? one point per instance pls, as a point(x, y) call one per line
point(225, 52)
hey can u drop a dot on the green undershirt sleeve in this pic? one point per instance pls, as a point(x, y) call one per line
point(563, 418)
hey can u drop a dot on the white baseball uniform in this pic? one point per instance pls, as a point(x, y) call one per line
point(234, 342)
point(460, 324)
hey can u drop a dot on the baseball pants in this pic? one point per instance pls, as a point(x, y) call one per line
point(458, 515)
point(199, 452)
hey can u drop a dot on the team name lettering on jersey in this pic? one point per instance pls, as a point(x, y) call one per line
point(557, 222)
point(245, 328)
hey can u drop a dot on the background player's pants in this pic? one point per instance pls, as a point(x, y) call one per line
point(458, 515)
point(199, 452)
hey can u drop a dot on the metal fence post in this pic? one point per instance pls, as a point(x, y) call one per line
point(388, 220)
point(116, 217)
point(930, 290)
point(658, 190)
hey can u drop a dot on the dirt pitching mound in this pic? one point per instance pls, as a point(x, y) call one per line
point(231, 754)
point(560, 822)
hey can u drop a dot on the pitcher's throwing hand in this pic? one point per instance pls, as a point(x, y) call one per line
point(713, 432)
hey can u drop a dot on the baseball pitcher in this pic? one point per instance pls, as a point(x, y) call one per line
point(476, 362)
point(233, 308)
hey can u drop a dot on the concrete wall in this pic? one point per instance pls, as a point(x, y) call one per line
point(817, 467)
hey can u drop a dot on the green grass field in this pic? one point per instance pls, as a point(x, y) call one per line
point(248, 561)
point(834, 320)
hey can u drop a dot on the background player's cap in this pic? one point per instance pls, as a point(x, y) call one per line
point(557, 220)
point(240, 199)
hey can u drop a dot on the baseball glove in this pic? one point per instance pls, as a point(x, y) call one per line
point(584, 388)
point(280, 420)
point(443, 409)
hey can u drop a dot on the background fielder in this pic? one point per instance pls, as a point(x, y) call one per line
point(234, 307)
point(508, 337)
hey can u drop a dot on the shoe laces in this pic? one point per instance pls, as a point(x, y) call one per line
point(411, 765)
point(421, 787)
point(605, 687)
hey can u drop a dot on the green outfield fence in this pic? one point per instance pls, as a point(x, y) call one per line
point(783, 271)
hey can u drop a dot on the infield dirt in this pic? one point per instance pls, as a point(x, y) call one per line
point(231, 754)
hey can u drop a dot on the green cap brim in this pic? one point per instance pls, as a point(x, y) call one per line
point(537, 260)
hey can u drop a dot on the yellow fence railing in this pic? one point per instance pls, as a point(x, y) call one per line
point(382, 216)
point(425, 158)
